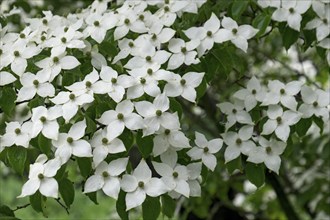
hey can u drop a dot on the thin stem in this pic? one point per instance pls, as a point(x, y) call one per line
point(61, 204)
point(21, 207)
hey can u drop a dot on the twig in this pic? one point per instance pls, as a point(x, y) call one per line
point(61, 204)
point(21, 207)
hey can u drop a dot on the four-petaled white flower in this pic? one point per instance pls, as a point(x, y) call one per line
point(205, 150)
point(321, 23)
point(17, 134)
point(140, 184)
point(280, 122)
point(106, 177)
point(268, 153)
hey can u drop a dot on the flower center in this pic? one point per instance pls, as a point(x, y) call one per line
point(167, 1)
point(42, 38)
point(206, 149)
point(254, 91)
point(234, 111)
point(167, 131)
point(105, 140)
point(120, 116)
point(42, 119)
point(131, 44)
point(142, 80)
point(35, 83)
point(315, 104)
point(166, 9)
point(16, 53)
point(183, 82)
point(291, 10)
point(1, 51)
point(159, 113)
point(234, 31)
point(148, 58)
point(209, 33)
point(141, 17)
point(238, 141)
point(105, 174)
point(88, 84)
point(325, 21)
point(40, 176)
point(126, 21)
point(113, 80)
point(44, 21)
point(149, 71)
point(154, 37)
point(63, 39)
point(17, 131)
point(69, 140)
point(279, 120)
point(96, 23)
point(268, 150)
point(56, 59)
point(175, 174)
point(183, 49)
point(72, 96)
point(282, 91)
point(22, 35)
point(141, 184)
point(66, 29)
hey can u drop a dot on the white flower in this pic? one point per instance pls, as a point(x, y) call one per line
point(106, 177)
point(169, 139)
point(35, 84)
point(128, 22)
point(182, 53)
point(235, 113)
point(252, 94)
point(17, 134)
point(44, 120)
point(70, 102)
point(53, 65)
point(71, 143)
point(280, 122)
point(315, 103)
point(184, 86)
point(142, 84)
point(150, 59)
point(321, 23)
point(194, 178)
point(238, 35)
point(268, 153)
point(206, 34)
point(140, 184)
point(291, 11)
point(155, 115)
point(103, 146)
point(280, 92)
point(167, 10)
point(123, 116)
point(98, 60)
point(87, 85)
point(41, 177)
point(205, 150)
point(238, 143)
point(174, 175)
point(6, 78)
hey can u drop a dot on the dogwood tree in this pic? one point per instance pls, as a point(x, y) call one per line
point(208, 109)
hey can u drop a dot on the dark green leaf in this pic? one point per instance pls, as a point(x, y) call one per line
point(128, 139)
point(151, 208)
point(261, 22)
point(289, 36)
point(255, 174)
point(233, 165)
point(93, 197)
point(175, 106)
point(85, 165)
point(66, 189)
point(7, 100)
point(38, 202)
point(238, 8)
point(302, 126)
point(121, 206)
point(91, 125)
point(168, 206)
point(319, 122)
point(145, 144)
point(5, 211)
point(17, 157)
point(45, 145)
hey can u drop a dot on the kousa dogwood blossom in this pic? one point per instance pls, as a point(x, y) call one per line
point(130, 47)
point(166, 139)
point(238, 35)
point(87, 85)
point(53, 65)
point(205, 34)
point(155, 114)
point(291, 11)
point(253, 94)
point(103, 146)
point(6, 78)
point(159, 36)
point(279, 92)
point(235, 113)
point(44, 121)
point(112, 83)
point(71, 143)
point(151, 59)
point(238, 143)
point(280, 122)
point(321, 23)
point(70, 102)
point(140, 184)
point(205, 150)
point(17, 133)
point(194, 178)
point(268, 153)
point(168, 9)
point(174, 175)
point(35, 84)
point(183, 52)
point(184, 86)
point(106, 177)
point(41, 177)
point(97, 59)
point(123, 116)
point(315, 103)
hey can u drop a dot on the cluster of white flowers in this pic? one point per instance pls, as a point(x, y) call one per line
point(292, 11)
point(278, 106)
point(41, 56)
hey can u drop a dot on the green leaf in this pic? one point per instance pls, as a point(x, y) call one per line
point(261, 22)
point(145, 144)
point(38, 203)
point(168, 206)
point(319, 122)
point(7, 100)
point(201, 89)
point(91, 125)
point(151, 208)
point(233, 165)
point(255, 174)
point(45, 145)
point(238, 8)
point(17, 157)
point(175, 106)
point(93, 197)
point(85, 165)
point(121, 206)
point(289, 36)
point(5, 211)
point(66, 189)
point(128, 139)
point(37, 101)
point(302, 126)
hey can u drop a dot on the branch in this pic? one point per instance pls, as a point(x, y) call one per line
point(61, 204)
point(21, 207)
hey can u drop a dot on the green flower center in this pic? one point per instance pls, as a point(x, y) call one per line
point(120, 116)
point(22, 35)
point(279, 120)
point(35, 83)
point(184, 50)
point(175, 174)
point(69, 140)
point(166, 8)
point(113, 80)
point(126, 21)
point(238, 141)
point(315, 104)
point(56, 59)
point(141, 17)
point(63, 39)
point(141, 184)
point(159, 113)
point(72, 96)
point(149, 71)
point(16, 53)
point(183, 82)
point(148, 58)
point(268, 150)
point(41, 176)
point(105, 174)
point(43, 119)
point(206, 149)
point(105, 140)
point(254, 91)
point(66, 29)
point(44, 21)
point(209, 33)
point(96, 23)
point(131, 44)
point(88, 84)
point(17, 131)
point(42, 38)
point(142, 80)
point(167, 131)
point(291, 10)
point(282, 91)
point(234, 31)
